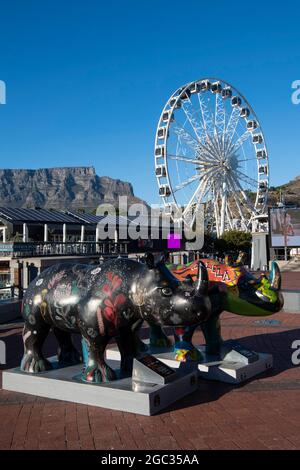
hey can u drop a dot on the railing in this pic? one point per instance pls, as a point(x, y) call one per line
point(10, 292)
point(279, 255)
point(38, 249)
point(280, 258)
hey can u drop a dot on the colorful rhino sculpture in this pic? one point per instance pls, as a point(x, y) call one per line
point(231, 288)
point(110, 300)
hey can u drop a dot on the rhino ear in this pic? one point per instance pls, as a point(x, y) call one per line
point(160, 259)
point(149, 260)
point(275, 276)
point(203, 279)
point(228, 260)
point(154, 261)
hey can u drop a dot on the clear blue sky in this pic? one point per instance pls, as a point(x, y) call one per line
point(86, 79)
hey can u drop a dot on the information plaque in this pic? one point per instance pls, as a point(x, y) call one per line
point(235, 352)
point(149, 369)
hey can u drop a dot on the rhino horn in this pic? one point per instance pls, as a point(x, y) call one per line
point(202, 280)
point(275, 276)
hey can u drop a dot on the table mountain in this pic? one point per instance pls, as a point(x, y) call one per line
point(61, 188)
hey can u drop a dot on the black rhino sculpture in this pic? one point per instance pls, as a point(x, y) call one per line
point(109, 300)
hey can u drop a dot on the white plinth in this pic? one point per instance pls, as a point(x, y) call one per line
point(211, 367)
point(123, 395)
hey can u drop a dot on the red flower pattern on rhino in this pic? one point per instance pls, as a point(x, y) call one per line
point(115, 282)
point(110, 309)
point(111, 303)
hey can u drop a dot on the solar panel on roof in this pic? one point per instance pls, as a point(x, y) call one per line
point(83, 217)
point(95, 219)
point(91, 218)
point(110, 219)
point(36, 215)
point(4, 215)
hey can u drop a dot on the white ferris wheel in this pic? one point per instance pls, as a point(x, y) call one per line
point(210, 149)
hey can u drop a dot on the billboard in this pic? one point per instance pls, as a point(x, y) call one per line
point(284, 227)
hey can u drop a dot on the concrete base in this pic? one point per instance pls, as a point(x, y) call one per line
point(212, 367)
point(291, 300)
point(123, 394)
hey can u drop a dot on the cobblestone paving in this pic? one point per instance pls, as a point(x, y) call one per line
point(263, 413)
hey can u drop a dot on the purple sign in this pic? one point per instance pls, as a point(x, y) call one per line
point(174, 241)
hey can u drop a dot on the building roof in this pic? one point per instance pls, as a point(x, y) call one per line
point(95, 219)
point(45, 216)
point(85, 217)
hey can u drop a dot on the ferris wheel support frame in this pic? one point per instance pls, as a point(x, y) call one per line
point(205, 147)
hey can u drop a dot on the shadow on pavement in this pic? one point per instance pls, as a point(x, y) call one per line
point(278, 344)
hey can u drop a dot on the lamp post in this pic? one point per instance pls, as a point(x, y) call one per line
point(285, 236)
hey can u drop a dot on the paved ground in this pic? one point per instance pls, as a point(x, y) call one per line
point(291, 280)
point(262, 414)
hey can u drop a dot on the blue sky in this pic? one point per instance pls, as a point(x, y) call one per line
point(86, 80)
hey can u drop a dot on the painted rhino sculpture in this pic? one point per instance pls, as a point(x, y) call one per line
point(110, 300)
point(232, 288)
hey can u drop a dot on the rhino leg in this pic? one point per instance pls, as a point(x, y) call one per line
point(212, 334)
point(158, 338)
point(139, 345)
point(67, 353)
point(183, 347)
point(34, 334)
point(95, 368)
point(127, 346)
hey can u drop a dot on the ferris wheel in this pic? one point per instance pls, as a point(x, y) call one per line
point(210, 149)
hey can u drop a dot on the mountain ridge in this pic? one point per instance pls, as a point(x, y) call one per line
point(60, 188)
point(79, 187)
point(289, 193)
